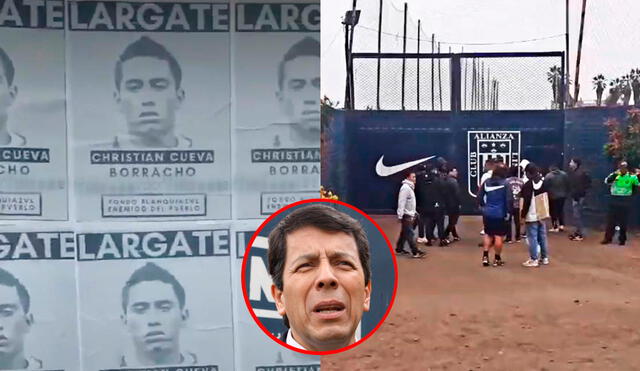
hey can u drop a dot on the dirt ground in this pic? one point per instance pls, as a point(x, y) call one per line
point(581, 312)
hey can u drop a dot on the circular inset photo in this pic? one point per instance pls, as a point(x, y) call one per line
point(319, 276)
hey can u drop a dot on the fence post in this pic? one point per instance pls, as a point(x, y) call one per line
point(404, 50)
point(456, 83)
point(418, 71)
point(379, 51)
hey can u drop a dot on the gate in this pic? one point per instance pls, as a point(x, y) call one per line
point(478, 108)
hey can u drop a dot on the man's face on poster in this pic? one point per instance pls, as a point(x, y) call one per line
point(154, 318)
point(300, 92)
point(7, 95)
point(14, 322)
point(324, 295)
point(148, 97)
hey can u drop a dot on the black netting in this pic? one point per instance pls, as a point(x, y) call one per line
point(511, 83)
point(487, 83)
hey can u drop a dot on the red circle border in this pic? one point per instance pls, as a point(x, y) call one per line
point(246, 295)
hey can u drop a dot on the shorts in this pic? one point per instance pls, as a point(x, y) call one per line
point(495, 226)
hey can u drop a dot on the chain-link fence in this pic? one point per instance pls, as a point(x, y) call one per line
point(466, 82)
point(511, 83)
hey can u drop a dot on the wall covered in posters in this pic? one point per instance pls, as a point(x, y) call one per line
point(137, 139)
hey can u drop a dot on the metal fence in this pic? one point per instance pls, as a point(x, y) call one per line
point(458, 82)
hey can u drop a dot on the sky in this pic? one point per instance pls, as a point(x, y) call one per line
point(611, 43)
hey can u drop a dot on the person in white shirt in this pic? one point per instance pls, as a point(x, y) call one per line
point(407, 216)
point(535, 223)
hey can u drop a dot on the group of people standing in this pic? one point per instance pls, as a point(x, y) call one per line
point(509, 197)
point(426, 197)
point(506, 198)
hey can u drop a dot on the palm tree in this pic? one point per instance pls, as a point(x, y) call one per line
point(635, 86)
point(625, 89)
point(553, 76)
point(599, 83)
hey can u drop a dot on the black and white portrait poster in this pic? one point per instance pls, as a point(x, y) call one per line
point(38, 306)
point(149, 94)
point(33, 160)
point(155, 299)
point(255, 351)
point(276, 66)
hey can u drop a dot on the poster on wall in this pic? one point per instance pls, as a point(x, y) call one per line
point(277, 117)
point(149, 90)
point(38, 317)
point(254, 349)
point(33, 159)
point(155, 299)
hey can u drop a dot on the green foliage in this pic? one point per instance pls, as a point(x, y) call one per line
point(624, 140)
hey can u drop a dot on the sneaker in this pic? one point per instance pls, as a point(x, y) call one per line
point(544, 261)
point(421, 240)
point(605, 242)
point(482, 232)
point(561, 228)
point(508, 240)
point(530, 263)
point(419, 254)
point(402, 252)
point(444, 242)
point(456, 239)
point(576, 237)
point(518, 240)
point(554, 230)
point(429, 243)
point(498, 263)
point(485, 261)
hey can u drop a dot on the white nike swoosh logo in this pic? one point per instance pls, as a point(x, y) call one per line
point(383, 170)
point(489, 189)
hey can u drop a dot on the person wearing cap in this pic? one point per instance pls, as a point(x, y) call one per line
point(622, 184)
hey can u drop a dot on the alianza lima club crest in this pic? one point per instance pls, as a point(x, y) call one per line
point(483, 145)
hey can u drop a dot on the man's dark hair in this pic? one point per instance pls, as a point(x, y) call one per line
point(146, 47)
point(148, 273)
point(577, 161)
point(9, 280)
point(407, 173)
point(325, 218)
point(500, 171)
point(513, 171)
point(532, 169)
point(307, 47)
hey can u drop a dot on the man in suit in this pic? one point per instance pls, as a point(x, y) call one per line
point(319, 262)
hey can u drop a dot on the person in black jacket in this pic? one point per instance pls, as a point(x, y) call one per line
point(430, 205)
point(452, 203)
point(579, 184)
